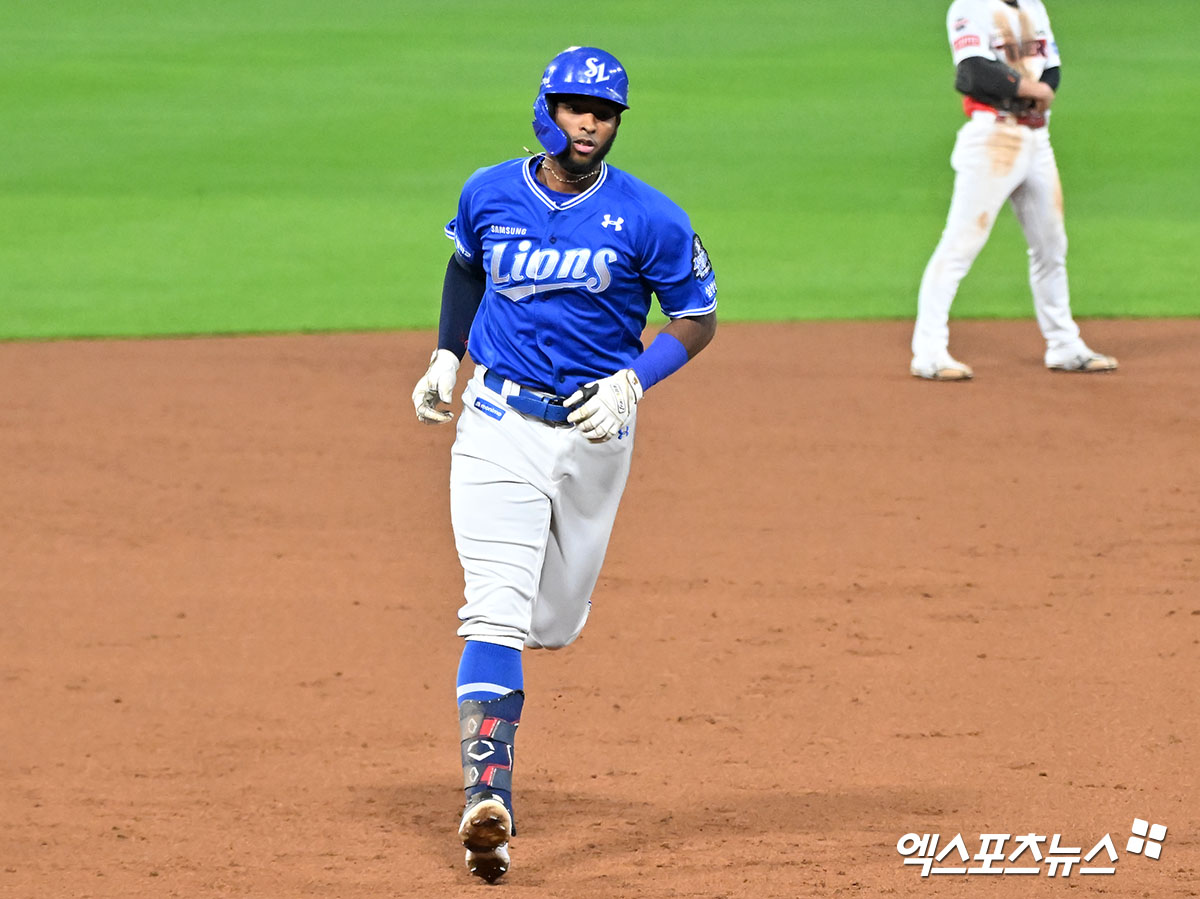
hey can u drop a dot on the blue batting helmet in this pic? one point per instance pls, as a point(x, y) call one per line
point(588, 71)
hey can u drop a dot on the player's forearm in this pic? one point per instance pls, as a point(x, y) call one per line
point(1029, 89)
point(1039, 94)
point(673, 346)
point(462, 291)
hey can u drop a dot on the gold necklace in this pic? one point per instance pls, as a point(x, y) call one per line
point(553, 174)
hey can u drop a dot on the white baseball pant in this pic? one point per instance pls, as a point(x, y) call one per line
point(994, 161)
point(532, 506)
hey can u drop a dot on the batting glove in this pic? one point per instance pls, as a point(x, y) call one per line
point(605, 406)
point(436, 385)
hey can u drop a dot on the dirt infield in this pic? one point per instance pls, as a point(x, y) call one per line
point(841, 605)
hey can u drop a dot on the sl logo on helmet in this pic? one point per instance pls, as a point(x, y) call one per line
point(595, 70)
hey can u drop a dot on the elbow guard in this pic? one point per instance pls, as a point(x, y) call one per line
point(986, 80)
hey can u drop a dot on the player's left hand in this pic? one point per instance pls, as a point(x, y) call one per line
point(603, 407)
point(436, 385)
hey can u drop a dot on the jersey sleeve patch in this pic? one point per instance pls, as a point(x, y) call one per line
point(701, 297)
point(701, 265)
point(967, 24)
point(463, 250)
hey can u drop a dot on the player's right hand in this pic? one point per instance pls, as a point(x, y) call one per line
point(436, 386)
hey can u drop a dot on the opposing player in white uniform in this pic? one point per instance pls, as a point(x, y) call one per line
point(555, 264)
point(1008, 70)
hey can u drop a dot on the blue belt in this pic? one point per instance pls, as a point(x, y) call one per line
point(548, 408)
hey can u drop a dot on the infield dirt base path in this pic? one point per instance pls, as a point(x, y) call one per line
point(840, 605)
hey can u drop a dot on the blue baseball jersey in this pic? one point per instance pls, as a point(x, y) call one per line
point(570, 276)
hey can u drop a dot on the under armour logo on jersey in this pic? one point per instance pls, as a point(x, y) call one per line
point(609, 220)
point(623, 432)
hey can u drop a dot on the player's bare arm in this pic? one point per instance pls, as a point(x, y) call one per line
point(694, 332)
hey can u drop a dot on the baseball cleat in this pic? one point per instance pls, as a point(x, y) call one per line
point(945, 368)
point(485, 829)
point(490, 864)
point(1085, 362)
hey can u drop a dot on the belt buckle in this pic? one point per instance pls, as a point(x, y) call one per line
point(557, 402)
point(527, 402)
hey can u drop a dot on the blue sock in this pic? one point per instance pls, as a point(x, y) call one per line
point(488, 671)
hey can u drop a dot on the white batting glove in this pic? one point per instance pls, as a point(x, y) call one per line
point(606, 405)
point(436, 385)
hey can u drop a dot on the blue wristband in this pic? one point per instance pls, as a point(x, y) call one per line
point(665, 356)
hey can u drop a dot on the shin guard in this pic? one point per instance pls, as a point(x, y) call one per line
point(487, 730)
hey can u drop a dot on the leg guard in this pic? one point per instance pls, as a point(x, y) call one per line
point(487, 730)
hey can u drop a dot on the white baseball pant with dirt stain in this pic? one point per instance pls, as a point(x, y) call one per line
point(997, 160)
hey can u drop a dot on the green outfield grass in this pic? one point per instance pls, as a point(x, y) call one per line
point(262, 165)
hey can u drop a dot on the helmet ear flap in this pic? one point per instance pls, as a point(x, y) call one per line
point(553, 138)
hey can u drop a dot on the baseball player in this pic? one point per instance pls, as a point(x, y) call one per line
point(1008, 70)
point(556, 257)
